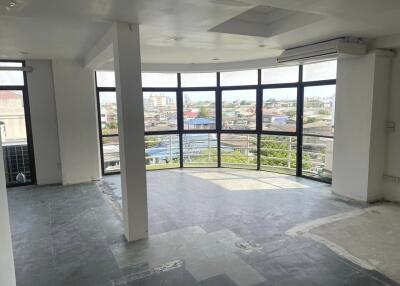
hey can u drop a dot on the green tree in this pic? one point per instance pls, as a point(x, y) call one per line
point(324, 112)
point(203, 113)
point(310, 120)
point(150, 142)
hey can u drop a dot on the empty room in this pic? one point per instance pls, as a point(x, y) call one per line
point(199, 142)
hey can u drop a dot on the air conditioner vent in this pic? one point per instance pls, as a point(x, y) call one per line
point(323, 50)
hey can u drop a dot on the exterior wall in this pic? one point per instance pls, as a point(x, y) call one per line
point(44, 122)
point(7, 270)
point(77, 122)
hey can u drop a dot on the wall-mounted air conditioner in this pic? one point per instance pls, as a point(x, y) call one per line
point(324, 50)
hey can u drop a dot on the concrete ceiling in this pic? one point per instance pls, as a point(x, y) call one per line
point(179, 31)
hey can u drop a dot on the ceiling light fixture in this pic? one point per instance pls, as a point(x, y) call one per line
point(12, 4)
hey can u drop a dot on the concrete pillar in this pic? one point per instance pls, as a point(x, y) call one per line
point(77, 122)
point(127, 65)
point(7, 270)
point(44, 122)
point(360, 138)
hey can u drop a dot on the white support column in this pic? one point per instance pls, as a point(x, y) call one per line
point(127, 64)
point(7, 270)
point(360, 138)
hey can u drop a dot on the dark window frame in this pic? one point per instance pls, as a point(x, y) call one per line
point(299, 85)
point(28, 123)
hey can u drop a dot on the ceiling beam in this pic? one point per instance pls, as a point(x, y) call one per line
point(101, 53)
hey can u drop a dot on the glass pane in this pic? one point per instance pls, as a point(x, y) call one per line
point(108, 112)
point(160, 111)
point(11, 77)
point(239, 151)
point(105, 78)
point(239, 109)
point(14, 138)
point(279, 109)
point(199, 110)
point(111, 154)
point(320, 71)
point(319, 110)
point(200, 150)
point(280, 75)
point(249, 77)
point(198, 79)
point(159, 80)
point(162, 152)
point(317, 157)
point(278, 154)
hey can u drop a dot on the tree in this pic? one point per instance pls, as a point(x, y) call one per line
point(310, 120)
point(324, 112)
point(203, 113)
point(149, 143)
point(290, 113)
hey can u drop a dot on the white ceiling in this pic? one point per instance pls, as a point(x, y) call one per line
point(178, 31)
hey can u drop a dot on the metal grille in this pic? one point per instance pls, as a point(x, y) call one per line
point(16, 159)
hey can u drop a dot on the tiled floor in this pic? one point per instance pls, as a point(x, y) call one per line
point(207, 227)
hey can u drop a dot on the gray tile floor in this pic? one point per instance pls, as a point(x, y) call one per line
point(207, 227)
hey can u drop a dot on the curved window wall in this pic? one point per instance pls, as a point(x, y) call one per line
point(276, 119)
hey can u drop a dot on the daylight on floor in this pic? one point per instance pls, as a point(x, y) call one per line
point(204, 143)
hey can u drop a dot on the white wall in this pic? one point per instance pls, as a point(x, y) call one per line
point(381, 91)
point(361, 105)
point(392, 166)
point(77, 122)
point(7, 270)
point(44, 122)
point(352, 127)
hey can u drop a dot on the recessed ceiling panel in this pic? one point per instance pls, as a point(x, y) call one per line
point(265, 21)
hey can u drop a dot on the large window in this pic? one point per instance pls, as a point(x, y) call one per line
point(162, 151)
point(199, 110)
point(320, 71)
point(238, 78)
point(108, 113)
point(280, 109)
point(318, 131)
point(277, 119)
point(200, 150)
point(239, 151)
point(239, 109)
point(199, 79)
point(160, 111)
point(278, 154)
point(280, 75)
point(15, 126)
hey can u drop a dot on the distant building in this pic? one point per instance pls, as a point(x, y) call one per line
point(200, 123)
point(276, 119)
point(103, 117)
point(156, 100)
point(191, 114)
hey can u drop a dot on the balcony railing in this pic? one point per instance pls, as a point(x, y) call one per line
point(278, 153)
